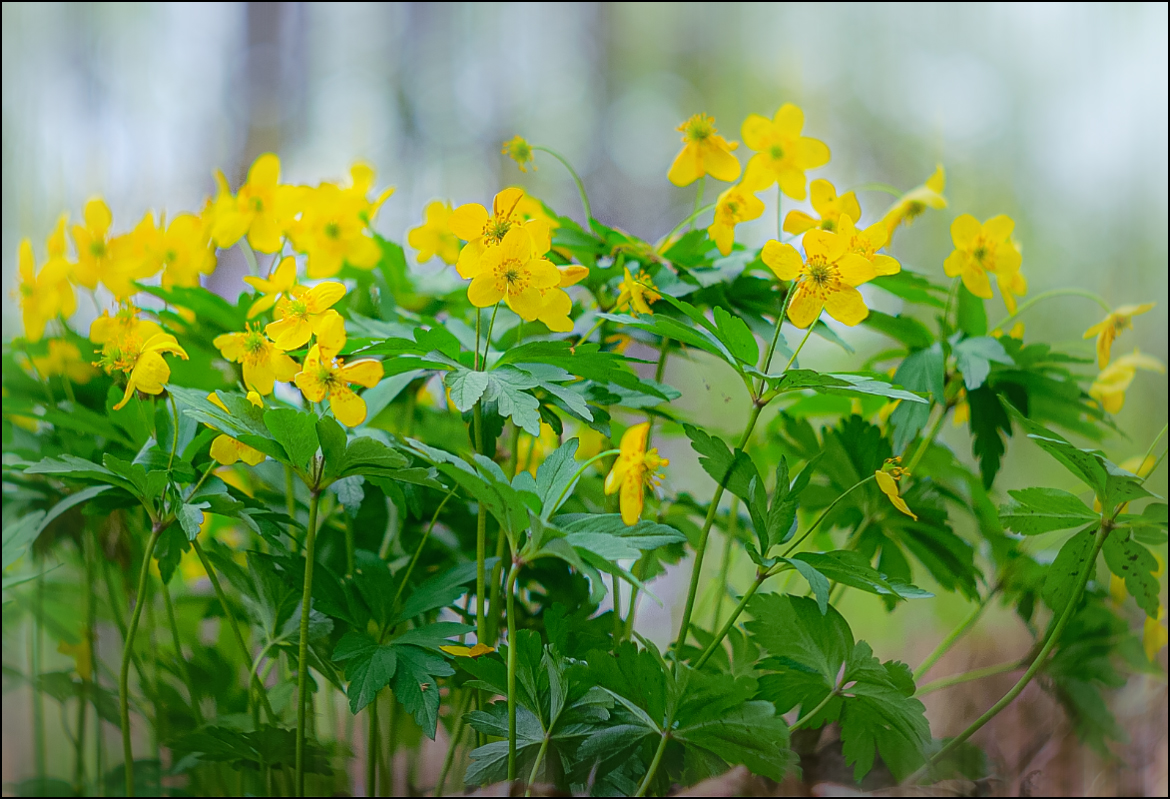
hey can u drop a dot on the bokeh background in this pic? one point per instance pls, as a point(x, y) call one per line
point(1054, 114)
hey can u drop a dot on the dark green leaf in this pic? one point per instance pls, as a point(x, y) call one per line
point(1040, 510)
point(1137, 566)
point(1061, 579)
point(974, 357)
point(296, 432)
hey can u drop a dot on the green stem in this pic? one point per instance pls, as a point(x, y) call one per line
point(453, 747)
point(127, 650)
point(249, 256)
point(694, 215)
point(418, 550)
point(589, 332)
point(725, 562)
point(181, 661)
point(480, 542)
point(487, 340)
point(967, 676)
point(1045, 295)
point(175, 440)
point(699, 196)
point(735, 614)
point(576, 179)
point(659, 371)
point(510, 589)
point(812, 528)
point(618, 626)
point(800, 722)
point(945, 645)
point(650, 772)
point(704, 534)
point(495, 582)
point(372, 747)
point(577, 475)
point(290, 500)
point(303, 643)
point(924, 445)
point(536, 765)
point(1037, 663)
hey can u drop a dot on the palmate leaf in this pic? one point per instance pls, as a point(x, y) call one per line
point(814, 654)
point(1137, 566)
point(1040, 510)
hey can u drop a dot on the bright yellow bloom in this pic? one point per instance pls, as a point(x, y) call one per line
point(434, 237)
point(482, 231)
point(513, 272)
point(887, 479)
point(1111, 326)
point(264, 362)
point(637, 294)
point(531, 208)
point(301, 315)
point(92, 242)
point(556, 304)
point(1114, 380)
point(782, 154)
point(332, 229)
point(866, 243)
point(828, 278)
point(185, 250)
point(109, 330)
point(733, 206)
point(281, 281)
point(911, 204)
point(981, 250)
point(64, 358)
point(704, 152)
point(828, 205)
point(323, 377)
point(142, 361)
point(1011, 285)
point(633, 471)
point(261, 209)
point(226, 450)
point(47, 294)
point(519, 151)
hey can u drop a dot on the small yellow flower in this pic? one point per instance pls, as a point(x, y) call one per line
point(705, 152)
point(226, 450)
point(142, 361)
point(634, 470)
point(333, 225)
point(981, 250)
point(828, 278)
point(281, 281)
point(866, 243)
point(1114, 380)
point(300, 315)
point(476, 651)
point(912, 204)
point(519, 151)
point(556, 304)
point(513, 272)
point(828, 205)
point(94, 258)
point(733, 206)
point(46, 294)
point(636, 294)
point(1111, 327)
point(1011, 285)
point(482, 231)
point(64, 358)
point(434, 237)
point(107, 330)
point(323, 377)
point(782, 153)
point(887, 479)
point(261, 209)
point(187, 251)
point(263, 361)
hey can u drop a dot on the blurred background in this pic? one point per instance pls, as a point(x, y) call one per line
point(1054, 114)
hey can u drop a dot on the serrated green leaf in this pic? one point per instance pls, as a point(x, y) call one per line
point(554, 475)
point(736, 336)
point(190, 518)
point(467, 386)
point(974, 357)
point(920, 371)
point(1040, 510)
point(296, 432)
point(1061, 579)
point(734, 472)
point(1137, 566)
point(751, 733)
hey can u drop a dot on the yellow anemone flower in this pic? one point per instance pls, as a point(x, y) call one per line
point(867, 242)
point(828, 278)
point(92, 242)
point(302, 313)
point(514, 272)
point(981, 250)
point(226, 450)
point(887, 479)
point(261, 209)
point(142, 361)
point(1110, 328)
point(109, 330)
point(482, 231)
point(556, 304)
point(1114, 380)
point(324, 378)
point(520, 151)
point(633, 471)
point(64, 358)
point(187, 251)
point(332, 231)
point(911, 204)
point(733, 206)
point(705, 152)
point(263, 361)
point(636, 294)
point(782, 153)
point(434, 237)
point(43, 295)
point(830, 207)
point(280, 281)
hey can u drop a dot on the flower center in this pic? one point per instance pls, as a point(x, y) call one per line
point(170, 256)
point(511, 276)
point(333, 230)
point(820, 273)
point(298, 309)
point(776, 151)
point(496, 228)
point(257, 204)
point(828, 224)
point(97, 248)
point(254, 342)
point(698, 128)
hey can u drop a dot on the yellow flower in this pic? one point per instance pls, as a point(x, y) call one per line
point(1011, 285)
point(142, 361)
point(830, 207)
point(94, 258)
point(434, 237)
point(64, 358)
point(733, 206)
point(914, 202)
point(482, 231)
point(531, 208)
point(866, 243)
point(828, 278)
point(187, 251)
point(556, 304)
point(261, 209)
point(281, 281)
point(226, 450)
point(332, 229)
point(300, 316)
point(109, 330)
point(1110, 328)
point(323, 377)
point(633, 471)
point(514, 272)
point(887, 479)
point(476, 651)
point(636, 294)
point(1114, 380)
point(519, 151)
point(43, 295)
point(361, 182)
point(981, 250)
point(704, 152)
point(264, 362)
point(782, 154)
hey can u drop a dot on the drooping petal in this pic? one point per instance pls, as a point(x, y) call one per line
point(554, 311)
point(889, 487)
point(150, 373)
point(687, 166)
point(348, 407)
point(632, 499)
point(846, 305)
point(329, 328)
point(572, 274)
point(783, 259)
point(259, 377)
point(886, 265)
point(365, 372)
point(723, 235)
point(634, 440)
point(225, 450)
point(541, 234)
point(283, 367)
point(484, 291)
point(975, 279)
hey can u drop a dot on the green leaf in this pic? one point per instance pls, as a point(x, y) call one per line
point(920, 371)
point(841, 383)
point(296, 432)
point(508, 388)
point(1040, 510)
point(1137, 566)
point(332, 437)
point(851, 568)
point(554, 475)
point(21, 534)
point(467, 386)
point(441, 590)
point(190, 518)
point(1061, 578)
point(989, 425)
point(736, 336)
point(416, 685)
point(751, 733)
point(734, 472)
point(974, 357)
point(906, 329)
point(971, 315)
point(368, 456)
point(370, 667)
point(818, 582)
point(913, 287)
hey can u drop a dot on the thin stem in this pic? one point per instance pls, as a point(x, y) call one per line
point(800, 346)
point(576, 179)
point(1037, 662)
point(303, 644)
point(725, 562)
point(800, 722)
point(618, 626)
point(650, 772)
point(480, 542)
point(701, 548)
point(536, 765)
point(666, 241)
point(510, 590)
point(659, 371)
point(175, 440)
point(927, 438)
point(1045, 295)
point(577, 475)
point(589, 333)
point(945, 645)
point(478, 323)
point(372, 748)
point(418, 550)
point(487, 340)
point(249, 256)
point(812, 528)
point(127, 651)
point(290, 500)
point(496, 582)
point(456, 734)
point(181, 661)
point(967, 676)
point(735, 614)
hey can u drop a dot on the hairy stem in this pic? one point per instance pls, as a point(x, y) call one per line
point(800, 722)
point(576, 179)
point(511, 599)
point(127, 651)
point(955, 634)
point(303, 644)
point(968, 676)
point(650, 772)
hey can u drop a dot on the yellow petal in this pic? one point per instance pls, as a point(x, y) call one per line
point(804, 308)
point(467, 221)
point(265, 171)
point(526, 304)
point(323, 295)
point(505, 202)
point(975, 279)
point(634, 440)
point(889, 487)
point(151, 373)
point(846, 306)
point(755, 131)
point(329, 328)
point(998, 228)
point(365, 372)
point(792, 183)
point(348, 407)
point(720, 164)
point(632, 499)
point(98, 217)
point(798, 222)
point(964, 230)
point(687, 166)
point(225, 450)
point(783, 259)
point(789, 120)
point(483, 291)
